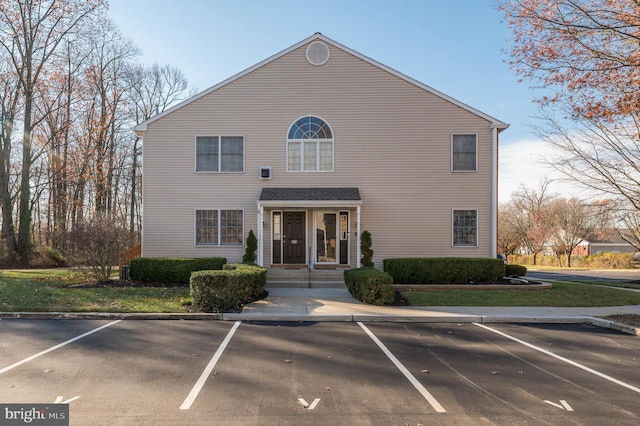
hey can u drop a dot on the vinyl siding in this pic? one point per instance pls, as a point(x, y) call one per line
point(392, 140)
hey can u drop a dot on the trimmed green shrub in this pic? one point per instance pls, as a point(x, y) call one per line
point(444, 270)
point(256, 275)
point(171, 270)
point(252, 246)
point(228, 289)
point(366, 250)
point(370, 285)
point(515, 270)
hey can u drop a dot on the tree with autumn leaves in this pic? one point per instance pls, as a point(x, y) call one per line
point(71, 90)
point(584, 56)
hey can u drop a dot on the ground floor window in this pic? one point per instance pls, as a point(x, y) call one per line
point(465, 227)
point(219, 227)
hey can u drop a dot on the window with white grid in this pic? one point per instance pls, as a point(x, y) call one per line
point(310, 146)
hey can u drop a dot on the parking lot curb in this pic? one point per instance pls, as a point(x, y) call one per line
point(110, 316)
point(487, 319)
point(541, 320)
point(599, 322)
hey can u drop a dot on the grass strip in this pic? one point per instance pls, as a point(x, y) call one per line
point(563, 294)
point(53, 291)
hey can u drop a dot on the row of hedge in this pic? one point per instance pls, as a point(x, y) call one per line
point(444, 270)
point(227, 289)
point(215, 285)
point(165, 270)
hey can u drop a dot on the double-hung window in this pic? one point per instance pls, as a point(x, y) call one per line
point(465, 228)
point(220, 154)
point(310, 146)
point(464, 149)
point(219, 227)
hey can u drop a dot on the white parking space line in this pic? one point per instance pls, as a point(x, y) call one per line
point(207, 371)
point(561, 358)
point(39, 354)
point(423, 391)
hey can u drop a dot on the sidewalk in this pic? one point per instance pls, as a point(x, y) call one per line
point(334, 304)
point(338, 305)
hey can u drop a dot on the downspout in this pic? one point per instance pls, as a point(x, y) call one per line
point(494, 192)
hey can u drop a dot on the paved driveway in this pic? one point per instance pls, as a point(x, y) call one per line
point(318, 373)
point(624, 275)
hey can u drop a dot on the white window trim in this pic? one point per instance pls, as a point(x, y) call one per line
point(317, 142)
point(453, 228)
point(195, 230)
point(451, 165)
point(219, 136)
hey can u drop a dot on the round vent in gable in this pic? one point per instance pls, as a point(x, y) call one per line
point(317, 53)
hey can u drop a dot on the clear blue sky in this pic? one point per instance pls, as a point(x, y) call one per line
point(455, 47)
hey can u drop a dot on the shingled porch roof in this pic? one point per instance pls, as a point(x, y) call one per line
point(310, 197)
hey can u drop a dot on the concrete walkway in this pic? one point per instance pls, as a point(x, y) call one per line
point(285, 304)
point(334, 304)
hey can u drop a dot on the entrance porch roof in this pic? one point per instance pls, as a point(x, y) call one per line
point(310, 197)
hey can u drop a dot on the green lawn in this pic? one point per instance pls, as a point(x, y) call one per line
point(53, 290)
point(562, 294)
point(613, 284)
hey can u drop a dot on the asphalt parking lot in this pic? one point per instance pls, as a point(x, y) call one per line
point(318, 373)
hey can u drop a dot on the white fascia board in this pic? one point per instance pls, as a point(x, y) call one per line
point(308, 203)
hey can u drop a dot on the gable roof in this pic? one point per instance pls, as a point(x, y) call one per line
point(495, 123)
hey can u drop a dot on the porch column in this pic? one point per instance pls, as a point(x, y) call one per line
point(358, 255)
point(260, 258)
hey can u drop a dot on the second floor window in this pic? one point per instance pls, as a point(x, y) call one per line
point(219, 154)
point(464, 153)
point(310, 146)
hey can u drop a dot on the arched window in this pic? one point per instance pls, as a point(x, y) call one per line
point(310, 146)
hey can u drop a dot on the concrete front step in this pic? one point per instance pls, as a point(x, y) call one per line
point(305, 278)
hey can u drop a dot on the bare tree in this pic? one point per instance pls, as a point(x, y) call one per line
point(509, 235)
point(70, 81)
point(575, 221)
point(98, 242)
point(9, 110)
point(626, 223)
point(30, 33)
point(107, 113)
point(533, 220)
point(600, 155)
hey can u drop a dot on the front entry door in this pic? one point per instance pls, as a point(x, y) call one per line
point(293, 238)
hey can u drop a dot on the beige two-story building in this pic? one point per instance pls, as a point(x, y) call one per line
point(308, 149)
